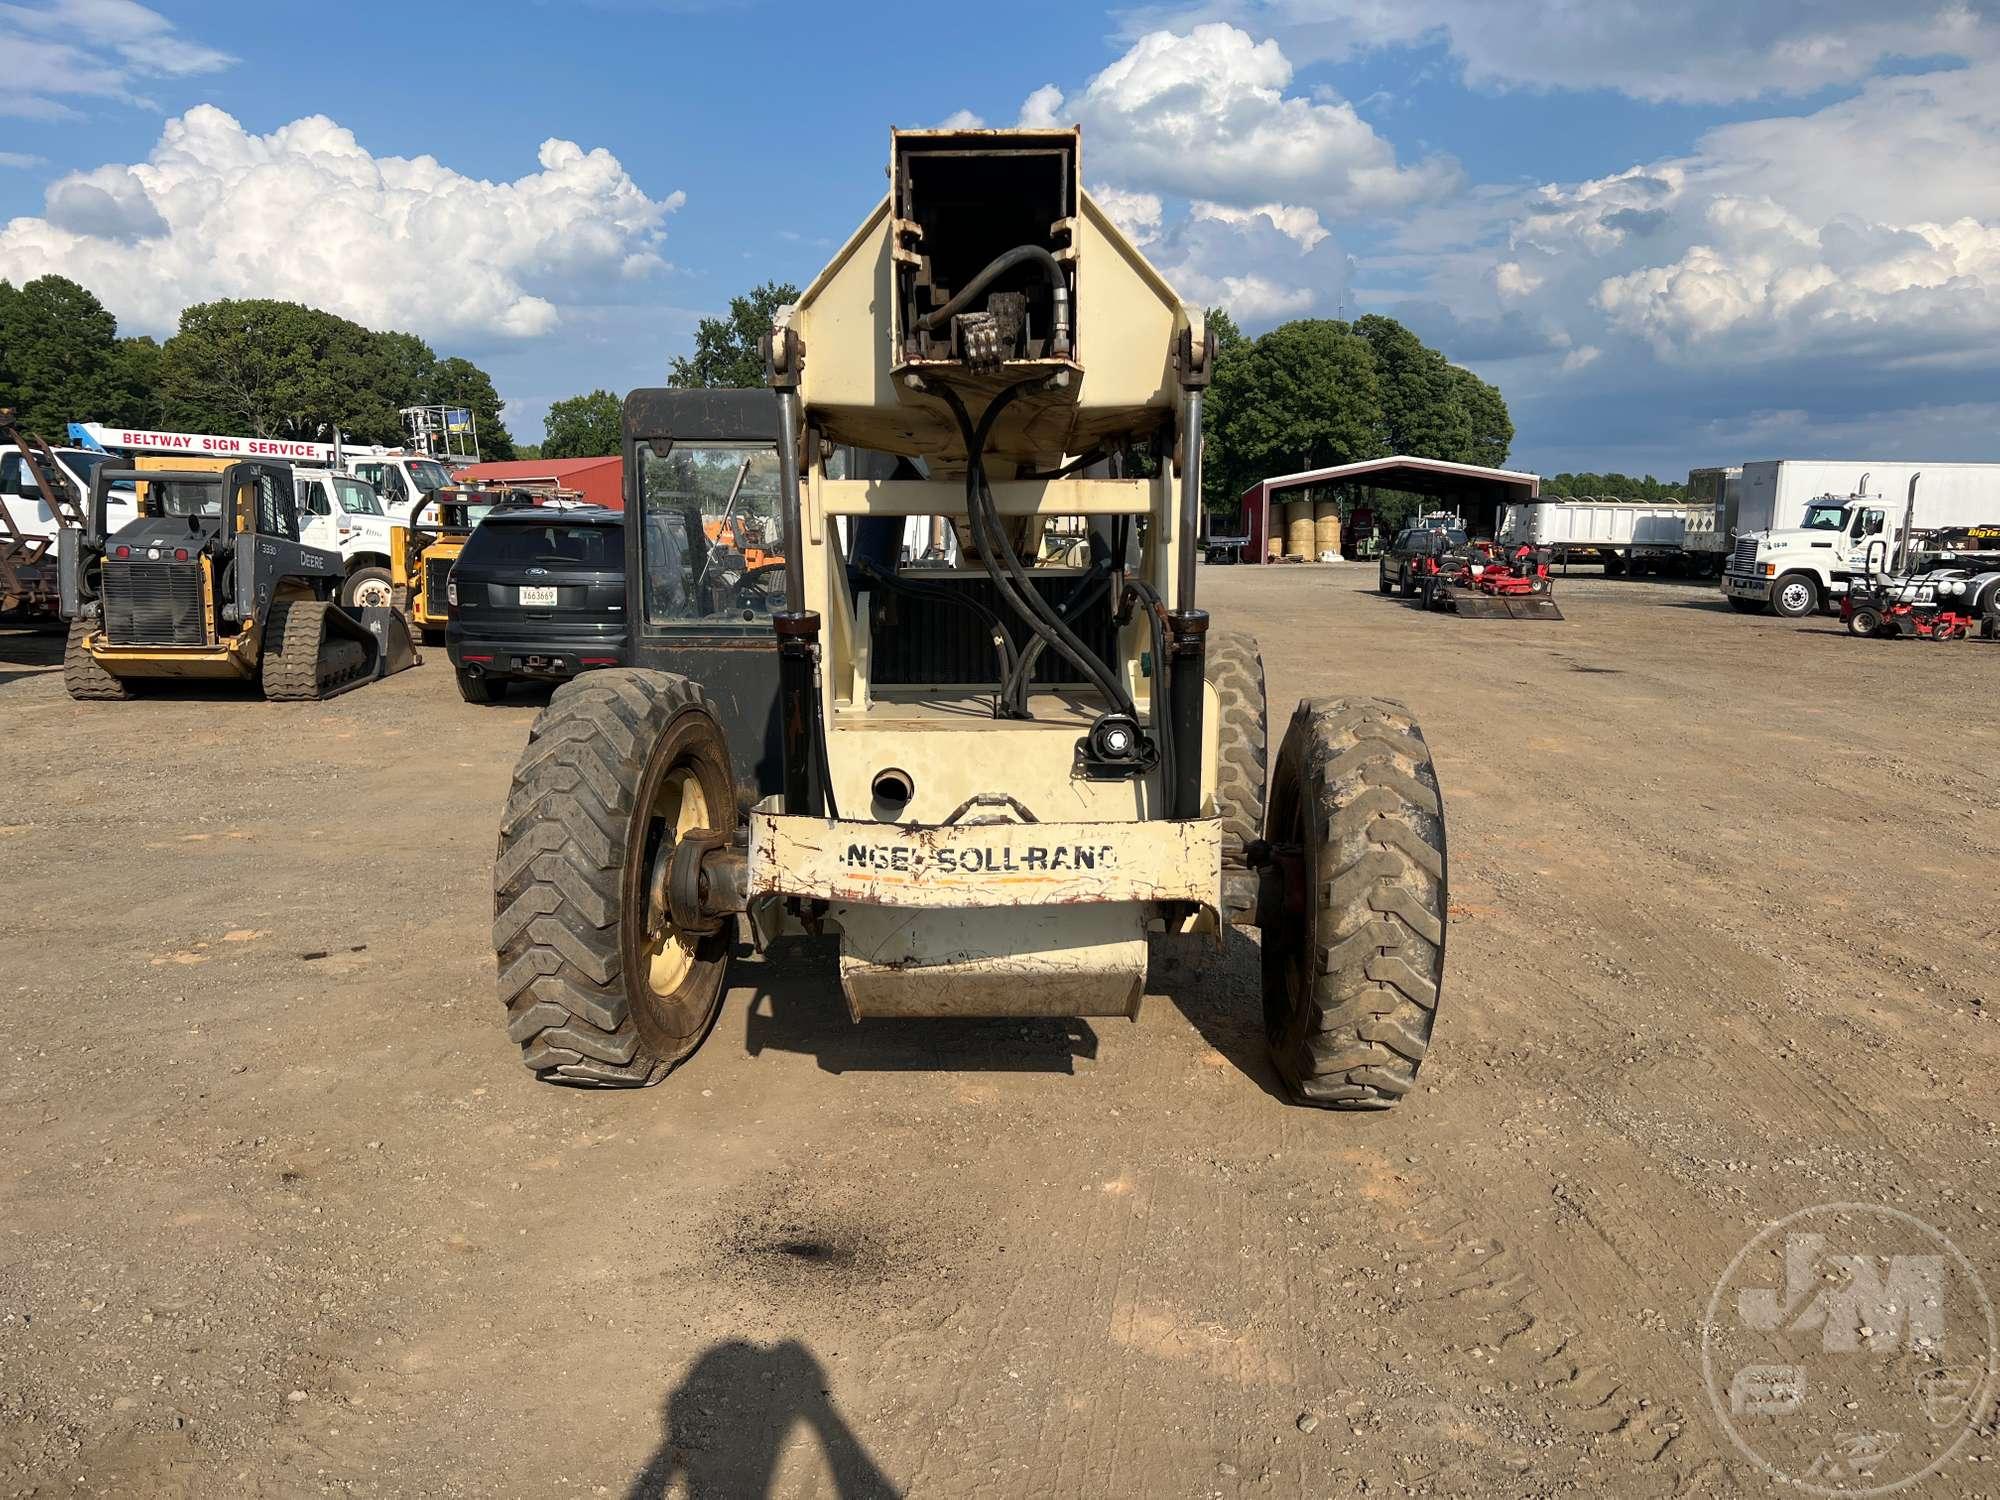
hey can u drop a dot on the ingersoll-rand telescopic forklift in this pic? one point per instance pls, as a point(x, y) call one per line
point(992, 779)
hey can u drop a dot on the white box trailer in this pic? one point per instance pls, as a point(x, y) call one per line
point(1774, 493)
point(1806, 528)
point(1622, 534)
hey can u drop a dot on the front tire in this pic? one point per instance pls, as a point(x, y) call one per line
point(368, 587)
point(617, 768)
point(1383, 584)
point(1795, 595)
point(1351, 982)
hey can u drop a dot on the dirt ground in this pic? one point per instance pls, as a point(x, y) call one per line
point(281, 1213)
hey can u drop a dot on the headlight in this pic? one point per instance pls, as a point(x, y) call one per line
point(451, 591)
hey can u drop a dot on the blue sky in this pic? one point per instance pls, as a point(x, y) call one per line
point(1672, 236)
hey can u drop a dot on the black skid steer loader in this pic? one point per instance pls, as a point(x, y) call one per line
point(211, 581)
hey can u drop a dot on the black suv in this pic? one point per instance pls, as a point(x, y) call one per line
point(538, 594)
point(1396, 568)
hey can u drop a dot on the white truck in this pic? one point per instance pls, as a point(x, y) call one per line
point(23, 497)
point(343, 514)
point(1625, 535)
point(1806, 529)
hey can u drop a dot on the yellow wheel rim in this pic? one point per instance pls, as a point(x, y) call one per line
point(681, 805)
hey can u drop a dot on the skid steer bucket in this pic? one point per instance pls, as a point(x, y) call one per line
point(395, 651)
point(1505, 607)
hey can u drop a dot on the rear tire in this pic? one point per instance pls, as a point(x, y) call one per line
point(1236, 671)
point(617, 767)
point(85, 680)
point(477, 688)
point(1351, 983)
point(1864, 622)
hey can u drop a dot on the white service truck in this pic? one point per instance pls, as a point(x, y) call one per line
point(1625, 535)
point(23, 497)
point(343, 514)
point(1806, 529)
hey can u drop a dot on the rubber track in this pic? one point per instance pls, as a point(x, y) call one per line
point(293, 632)
point(83, 677)
point(1236, 671)
point(557, 873)
point(1371, 796)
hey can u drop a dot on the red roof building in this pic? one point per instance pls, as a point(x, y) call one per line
point(601, 481)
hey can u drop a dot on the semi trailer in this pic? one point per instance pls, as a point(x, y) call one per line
point(1625, 535)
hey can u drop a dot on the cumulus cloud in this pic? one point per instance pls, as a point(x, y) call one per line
point(306, 213)
point(1697, 51)
point(61, 50)
point(1846, 230)
point(1138, 214)
point(1300, 224)
point(1208, 114)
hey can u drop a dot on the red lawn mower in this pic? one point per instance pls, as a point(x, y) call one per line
point(1485, 581)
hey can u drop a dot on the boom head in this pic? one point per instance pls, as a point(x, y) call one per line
point(985, 265)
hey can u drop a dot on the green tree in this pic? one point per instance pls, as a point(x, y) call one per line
point(1218, 471)
point(1421, 407)
point(278, 369)
point(1304, 396)
point(61, 360)
point(582, 427)
point(1490, 430)
point(725, 349)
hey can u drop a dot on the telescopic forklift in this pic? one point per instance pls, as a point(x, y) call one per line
point(211, 581)
point(994, 779)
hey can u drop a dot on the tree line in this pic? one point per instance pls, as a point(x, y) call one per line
point(1567, 486)
point(254, 366)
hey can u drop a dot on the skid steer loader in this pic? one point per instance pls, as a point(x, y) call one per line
point(210, 580)
point(991, 779)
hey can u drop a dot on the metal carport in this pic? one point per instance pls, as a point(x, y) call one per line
point(1476, 492)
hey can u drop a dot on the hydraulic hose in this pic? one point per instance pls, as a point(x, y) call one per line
point(998, 267)
point(997, 553)
point(1003, 644)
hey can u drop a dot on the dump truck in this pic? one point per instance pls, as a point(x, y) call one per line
point(992, 780)
point(211, 580)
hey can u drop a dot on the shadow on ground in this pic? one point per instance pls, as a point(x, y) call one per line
point(796, 1006)
point(1222, 996)
point(29, 651)
point(729, 1422)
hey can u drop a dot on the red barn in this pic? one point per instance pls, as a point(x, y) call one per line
point(601, 481)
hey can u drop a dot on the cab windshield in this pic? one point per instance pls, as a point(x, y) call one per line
point(1826, 516)
point(428, 474)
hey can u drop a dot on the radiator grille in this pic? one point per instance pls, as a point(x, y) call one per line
point(932, 642)
point(437, 573)
point(153, 604)
point(1745, 557)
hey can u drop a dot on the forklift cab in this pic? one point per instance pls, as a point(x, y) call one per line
point(703, 559)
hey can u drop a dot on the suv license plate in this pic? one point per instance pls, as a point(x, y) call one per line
point(538, 594)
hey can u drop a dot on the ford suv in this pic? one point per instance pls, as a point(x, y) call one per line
point(538, 595)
